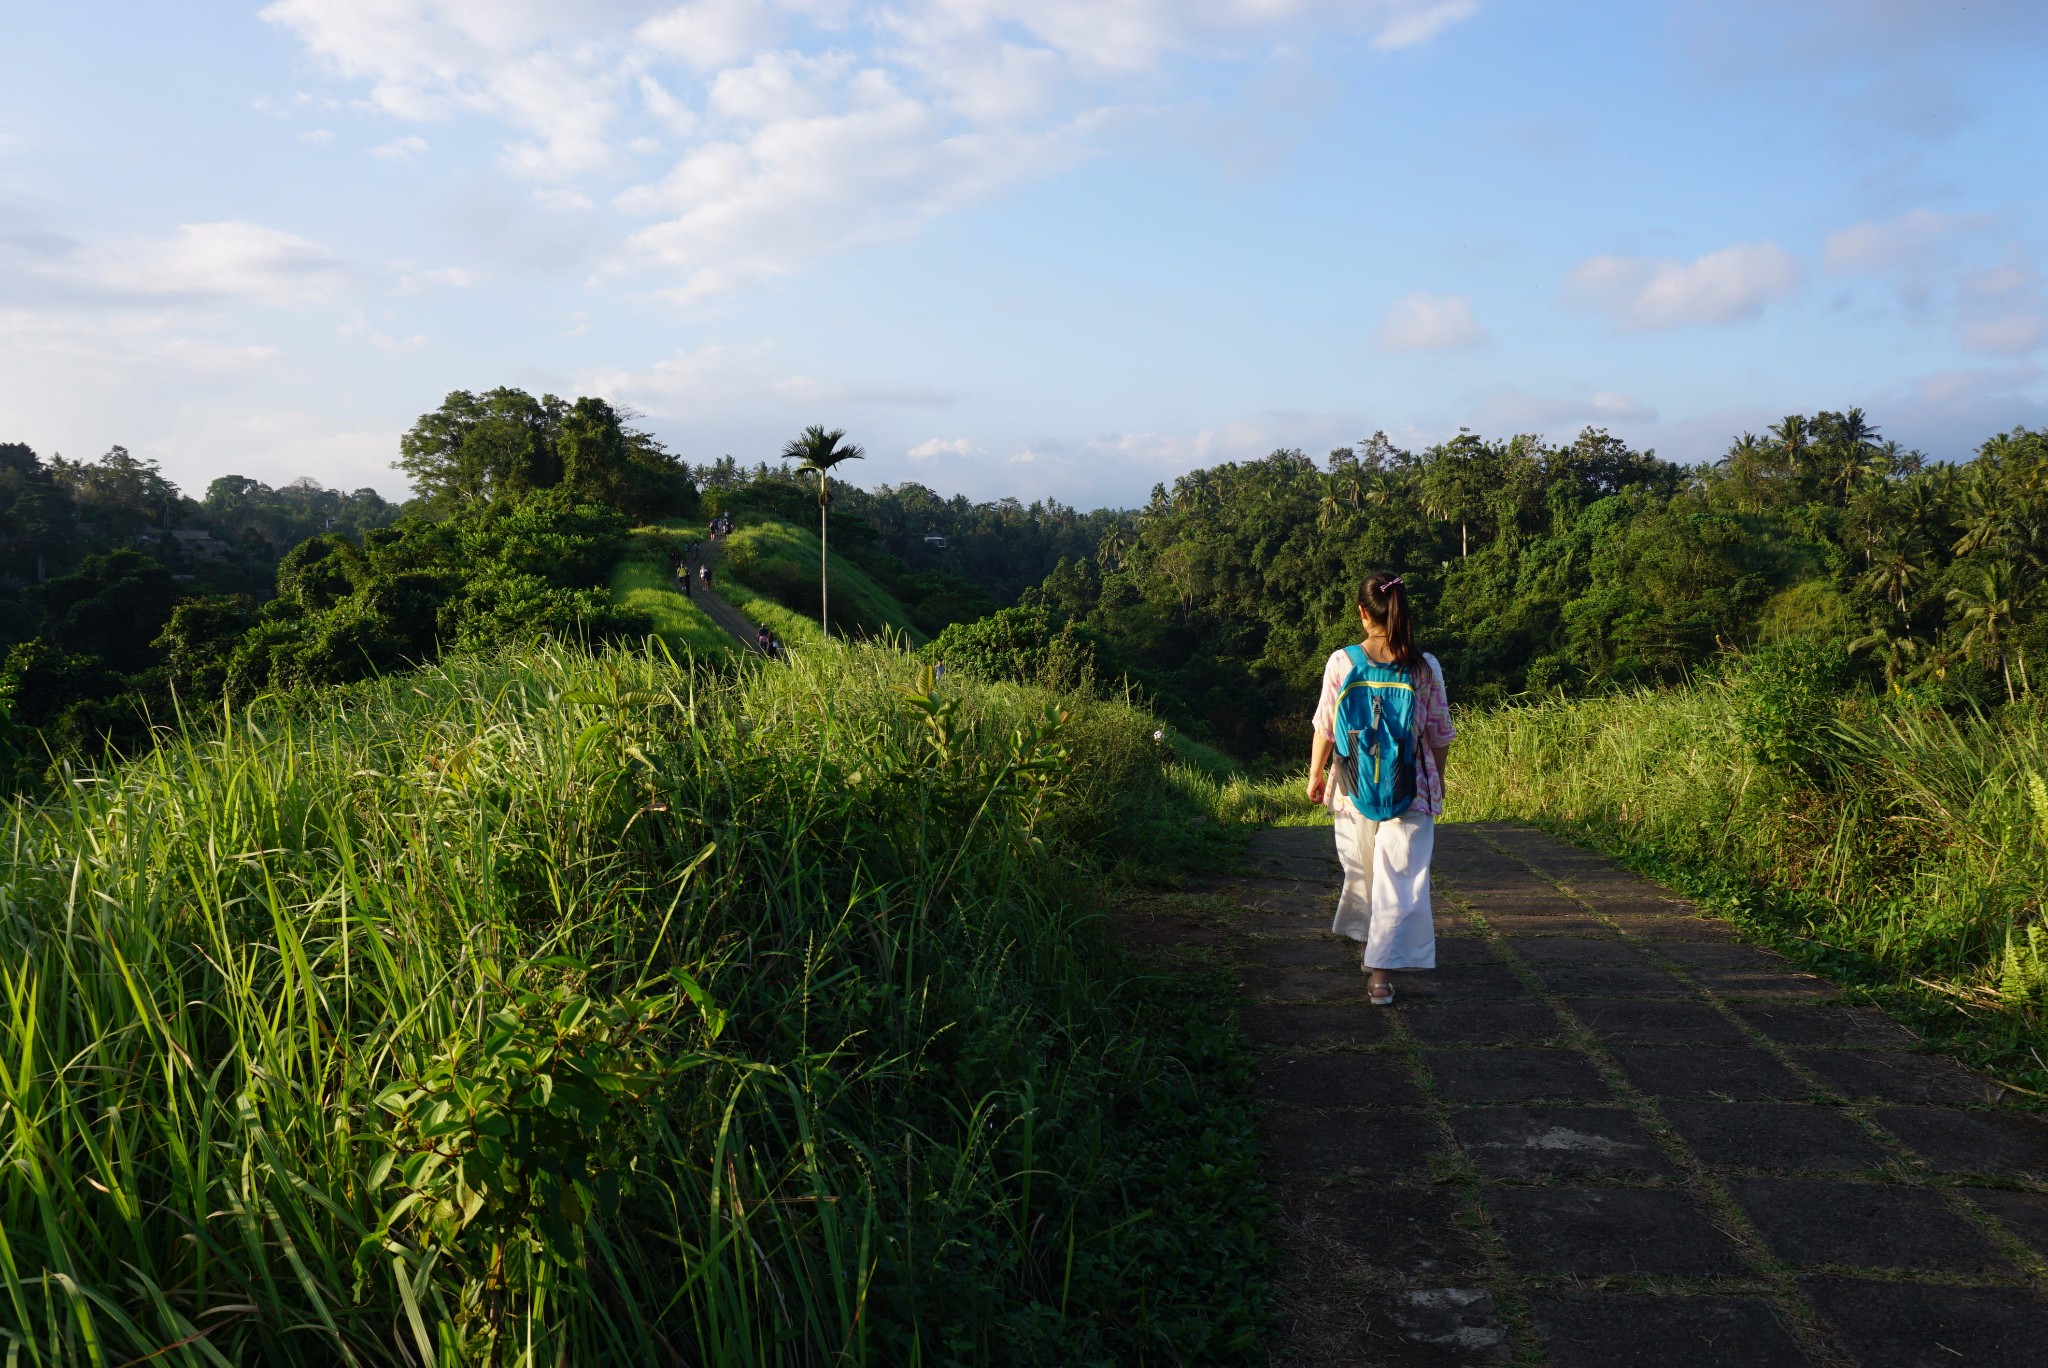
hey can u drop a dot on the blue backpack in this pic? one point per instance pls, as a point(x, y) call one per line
point(1375, 728)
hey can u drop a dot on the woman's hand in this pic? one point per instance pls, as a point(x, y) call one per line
point(1319, 766)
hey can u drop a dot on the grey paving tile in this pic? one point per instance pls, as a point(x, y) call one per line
point(1460, 983)
point(1481, 1023)
point(1332, 1024)
point(1337, 1080)
point(1613, 980)
point(1583, 1330)
point(1893, 1076)
point(1458, 953)
point(1717, 955)
point(1751, 985)
point(1281, 952)
point(1514, 1074)
point(1908, 1325)
point(1671, 928)
point(1543, 951)
point(1444, 1327)
point(1729, 1073)
point(1864, 1225)
point(1579, 923)
point(2011, 1144)
point(1864, 1026)
point(1529, 1142)
point(1303, 985)
point(2024, 1213)
point(1649, 1022)
point(1412, 1234)
point(1367, 1144)
point(1786, 1136)
point(1609, 1232)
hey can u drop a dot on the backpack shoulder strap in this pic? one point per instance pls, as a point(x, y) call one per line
point(1357, 654)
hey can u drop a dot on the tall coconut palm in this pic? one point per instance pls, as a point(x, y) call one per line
point(817, 451)
point(1987, 617)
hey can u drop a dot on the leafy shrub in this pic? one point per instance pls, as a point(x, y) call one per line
point(1787, 695)
point(1021, 644)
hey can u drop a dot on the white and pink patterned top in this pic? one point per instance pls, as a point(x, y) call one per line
point(1433, 724)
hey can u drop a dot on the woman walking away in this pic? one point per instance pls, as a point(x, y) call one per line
point(1385, 722)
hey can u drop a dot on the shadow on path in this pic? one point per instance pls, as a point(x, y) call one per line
point(1604, 1132)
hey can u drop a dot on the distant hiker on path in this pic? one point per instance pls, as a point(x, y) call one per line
point(704, 574)
point(1385, 721)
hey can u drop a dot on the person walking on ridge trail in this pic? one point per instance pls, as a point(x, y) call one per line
point(1382, 733)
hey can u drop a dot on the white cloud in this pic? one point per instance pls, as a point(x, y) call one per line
point(2007, 334)
point(1646, 293)
point(401, 149)
point(1912, 241)
point(317, 135)
point(217, 261)
point(750, 378)
point(1423, 24)
point(214, 358)
point(709, 34)
point(448, 277)
point(1943, 386)
point(795, 128)
point(1427, 322)
point(956, 446)
point(1511, 410)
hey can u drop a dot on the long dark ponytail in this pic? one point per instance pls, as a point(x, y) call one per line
point(1385, 600)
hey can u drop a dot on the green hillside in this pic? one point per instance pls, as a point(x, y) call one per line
point(779, 561)
point(643, 583)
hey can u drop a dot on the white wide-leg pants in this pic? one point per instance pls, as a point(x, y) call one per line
point(1385, 901)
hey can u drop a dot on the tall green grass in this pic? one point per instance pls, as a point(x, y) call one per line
point(1900, 846)
point(553, 1008)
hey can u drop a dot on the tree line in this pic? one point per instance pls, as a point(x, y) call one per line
point(1559, 568)
point(521, 510)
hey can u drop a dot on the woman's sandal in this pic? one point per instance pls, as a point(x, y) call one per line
point(1374, 995)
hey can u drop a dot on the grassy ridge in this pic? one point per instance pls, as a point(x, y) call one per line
point(558, 1008)
point(1897, 848)
point(779, 561)
point(644, 583)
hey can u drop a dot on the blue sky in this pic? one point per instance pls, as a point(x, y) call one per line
point(1017, 247)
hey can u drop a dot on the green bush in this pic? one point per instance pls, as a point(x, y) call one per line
point(1787, 696)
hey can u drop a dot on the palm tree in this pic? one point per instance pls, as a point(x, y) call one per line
point(817, 451)
point(1896, 651)
point(1987, 613)
point(1895, 570)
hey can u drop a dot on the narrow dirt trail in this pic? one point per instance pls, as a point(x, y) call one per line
point(1603, 1132)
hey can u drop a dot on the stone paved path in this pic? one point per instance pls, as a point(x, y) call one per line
point(1604, 1132)
point(717, 609)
